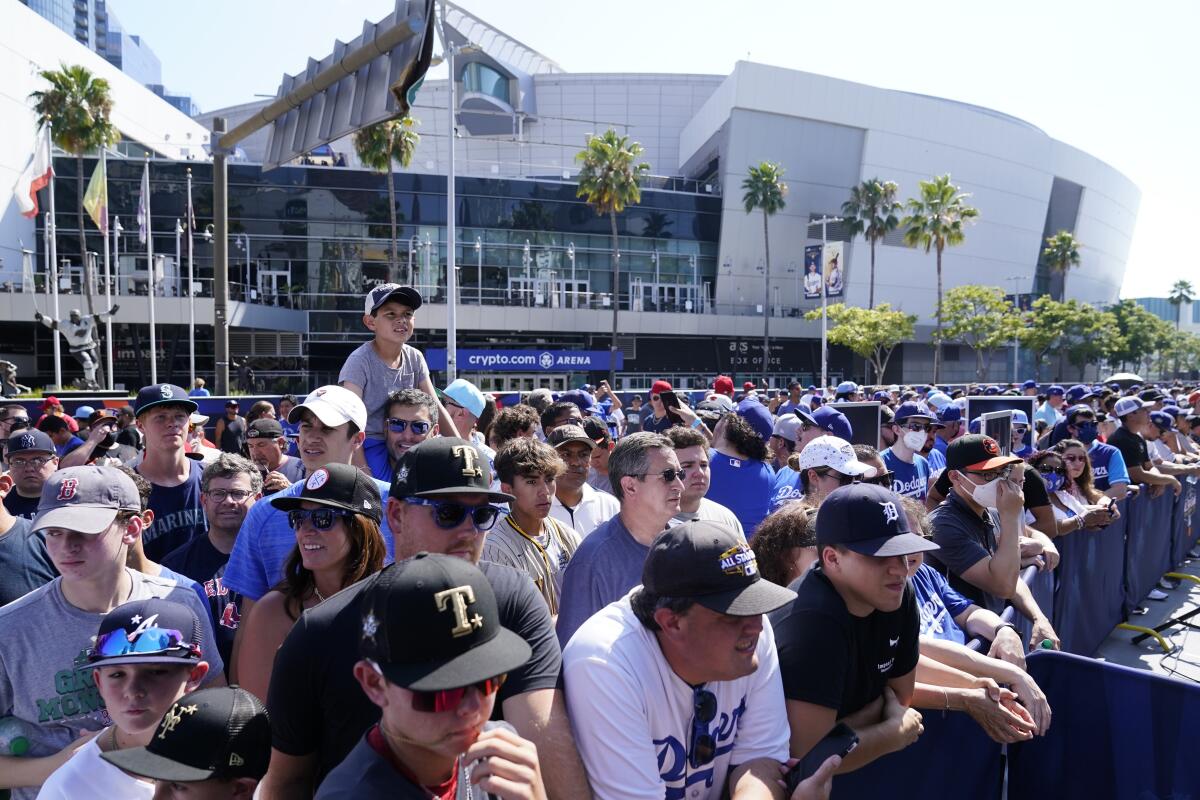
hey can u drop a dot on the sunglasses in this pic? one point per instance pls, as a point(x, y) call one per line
point(1075, 459)
point(916, 427)
point(18, 423)
point(449, 515)
point(668, 475)
point(449, 699)
point(1020, 430)
point(150, 640)
point(1048, 470)
point(882, 479)
point(320, 518)
point(702, 745)
point(843, 480)
point(419, 427)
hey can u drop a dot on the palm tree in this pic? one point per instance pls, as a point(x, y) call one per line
point(78, 106)
point(1061, 253)
point(936, 220)
point(608, 180)
point(1182, 294)
point(765, 190)
point(871, 211)
point(378, 147)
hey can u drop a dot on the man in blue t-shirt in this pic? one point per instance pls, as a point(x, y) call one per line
point(1109, 473)
point(409, 418)
point(910, 471)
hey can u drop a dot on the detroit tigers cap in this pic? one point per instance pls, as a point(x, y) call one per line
point(391, 291)
point(867, 519)
point(445, 465)
point(85, 499)
point(337, 486)
point(161, 394)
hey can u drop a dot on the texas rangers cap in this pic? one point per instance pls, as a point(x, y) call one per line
point(445, 465)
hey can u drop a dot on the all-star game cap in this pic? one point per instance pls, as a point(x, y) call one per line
point(441, 466)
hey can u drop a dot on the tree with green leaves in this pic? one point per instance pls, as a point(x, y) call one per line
point(764, 190)
point(379, 146)
point(872, 211)
point(609, 181)
point(1090, 341)
point(1142, 334)
point(871, 333)
point(1044, 327)
point(78, 107)
point(936, 220)
point(1061, 254)
point(980, 317)
point(1182, 294)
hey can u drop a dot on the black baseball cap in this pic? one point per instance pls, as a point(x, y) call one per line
point(29, 440)
point(338, 486)
point(976, 452)
point(431, 622)
point(162, 394)
point(445, 465)
point(391, 291)
point(867, 519)
point(264, 428)
point(151, 631)
point(222, 732)
point(709, 563)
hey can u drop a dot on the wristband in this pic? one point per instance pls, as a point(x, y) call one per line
point(697, 422)
point(1002, 626)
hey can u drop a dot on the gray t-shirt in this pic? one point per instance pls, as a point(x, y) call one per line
point(292, 469)
point(606, 566)
point(366, 369)
point(45, 679)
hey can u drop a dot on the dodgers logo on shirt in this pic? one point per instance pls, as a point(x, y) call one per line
point(673, 765)
point(317, 480)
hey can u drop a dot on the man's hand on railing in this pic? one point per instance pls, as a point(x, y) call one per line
point(1043, 630)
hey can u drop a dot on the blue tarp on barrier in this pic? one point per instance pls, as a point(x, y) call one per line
point(1117, 733)
point(1091, 585)
point(1148, 545)
point(1185, 527)
point(1041, 586)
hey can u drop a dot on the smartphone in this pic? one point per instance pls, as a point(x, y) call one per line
point(670, 403)
point(840, 741)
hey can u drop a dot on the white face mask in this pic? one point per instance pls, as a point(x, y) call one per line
point(914, 440)
point(987, 494)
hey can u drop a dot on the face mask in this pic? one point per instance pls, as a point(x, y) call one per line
point(914, 440)
point(1054, 481)
point(987, 494)
point(1087, 433)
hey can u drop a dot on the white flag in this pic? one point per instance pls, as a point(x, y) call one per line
point(36, 176)
point(143, 212)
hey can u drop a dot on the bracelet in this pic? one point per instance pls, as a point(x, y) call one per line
point(697, 422)
point(1079, 523)
point(1002, 626)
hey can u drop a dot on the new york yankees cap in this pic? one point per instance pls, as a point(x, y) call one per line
point(223, 732)
point(441, 466)
point(85, 499)
point(29, 440)
point(337, 486)
point(161, 394)
point(867, 519)
point(708, 562)
point(150, 631)
point(431, 622)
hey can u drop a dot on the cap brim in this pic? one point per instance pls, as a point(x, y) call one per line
point(190, 405)
point(493, 497)
point(141, 761)
point(804, 415)
point(993, 463)
point(581, 439)
point(405, 294)
point(504, 653)
point(322, 410)
point(760, 597)
point(87, 519)
point(146, 658)
point(855, 468)
point(902, 544)
point(293, 503)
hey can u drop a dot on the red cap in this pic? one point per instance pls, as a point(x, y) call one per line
point(1194, 396)
point(723, 384)
point(659, 387)
point(49, 402)
point(748, 385)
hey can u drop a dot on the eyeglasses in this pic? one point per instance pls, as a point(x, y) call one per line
point(668, 475)
point(419, 427)
point(1075, 459)
point(450, 515)
point(702, 745)
point(882, 479)
point(30, 463)
point(236, 495)
point(321, 518)
point(918, 427)
point(1046, 469)
point(993, 474)
point(843, 480)
point(448, 699)
point(150, 640)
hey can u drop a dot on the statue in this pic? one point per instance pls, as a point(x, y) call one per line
point(8, 380)
point(80, 333)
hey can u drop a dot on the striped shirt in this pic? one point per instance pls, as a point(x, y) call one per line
point(543, 556)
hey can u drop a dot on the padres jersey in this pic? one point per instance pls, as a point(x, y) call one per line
point(544, 556)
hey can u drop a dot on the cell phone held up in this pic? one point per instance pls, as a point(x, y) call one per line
point(840, 741)
point(670, 404)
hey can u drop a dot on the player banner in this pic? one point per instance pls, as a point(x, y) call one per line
point(834, 269)
point(812, 272)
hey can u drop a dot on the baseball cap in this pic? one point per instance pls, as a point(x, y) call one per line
point(199, 419)
point(867, 519)
point(1128, 405)
point(467, 395)
point(583, 399)
point(1163, 420)
point(787, 427)
point(83, 412)
point(757, 415)
point(748, 386)
point(992, 390)
point(949, 413)
point(264, 428)
point(1151, 395)
point(101, 413)
point(338, 486)
point(660, 386)
point(846, 387)
point(1077, 393)
point(723, 384)
point(231, 403)
point(334, 406)
point(1056, 390)
point(833, 421)
point(1031, 384)
point(150, 631)
point(85, 499)
point(29, 440)
point(938, 400)
point(431, 622)
point(708, 562)
point(565, 434)
point(881, 396)
point(976, 452)
point(446, 465)
point(391, 291)
point(835, 453)
point(50, 402)
point(221, 732)
point(804, 415)
point(1019, 417)
point(908, 411)
point(162, 394)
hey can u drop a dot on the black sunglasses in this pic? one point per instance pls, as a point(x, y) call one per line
point(702, 745)
point(668, 475)
point(321, 518)
point(450, 515)
point(882, 479)
point(843, 480)
point(1045, 469)
point(419, 427)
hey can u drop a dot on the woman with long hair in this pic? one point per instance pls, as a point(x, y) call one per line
point(336, 518)
point(1079, 483)
point(1070, 512)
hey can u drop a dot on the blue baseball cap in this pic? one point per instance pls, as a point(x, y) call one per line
point(757, 415)
point(938, 400)
point(1078, 392)
point(29, 440)
point(975, 426)
point(1029, 385)
point(881, 396)
point(992, 390)
point(1163, 420)
point(830, 419)
point(580, 397)
point(950, 413)
point(83, 412)
point(909, 410)
point(1019, 417)
point(162, 394)
point(847, 387)
point(1056, 390)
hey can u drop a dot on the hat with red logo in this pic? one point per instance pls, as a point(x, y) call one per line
point(334, 406)
point(85, 499)
point(976, 452)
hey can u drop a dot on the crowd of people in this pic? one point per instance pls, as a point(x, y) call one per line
point(386, 588)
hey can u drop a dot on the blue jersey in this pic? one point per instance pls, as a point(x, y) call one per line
point(786, 487)
point(743, 486)
point(937, 460)
point(908, 480)
point(1108, 466)
point(938, 605)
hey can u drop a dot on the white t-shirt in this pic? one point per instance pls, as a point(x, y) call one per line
point(594, 509)
point(86, 774)
point(712, 511)
point(1160, 452)
point(632, 715)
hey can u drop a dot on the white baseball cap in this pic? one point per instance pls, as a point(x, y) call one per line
point(835, 453)
point(334, 406)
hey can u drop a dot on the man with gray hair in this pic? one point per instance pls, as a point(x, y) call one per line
point(648, 482)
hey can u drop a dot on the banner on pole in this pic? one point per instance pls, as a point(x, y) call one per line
point(812, 272)
point(95, 199)
point(143, 209)
point(834, 266)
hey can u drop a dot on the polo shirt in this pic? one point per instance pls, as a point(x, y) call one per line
point(594, 509)
point(965, 538)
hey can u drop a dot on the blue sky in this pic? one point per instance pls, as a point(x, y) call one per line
point(1117, 80)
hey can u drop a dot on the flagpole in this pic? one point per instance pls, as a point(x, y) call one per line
point(153, 276)
point(108, 342)
point(190, 286)
point(52, 234)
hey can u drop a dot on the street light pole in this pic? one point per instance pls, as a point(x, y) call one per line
point(451, 278)
point(1016, 340)
point(824, 221)
point(191, 280)
point(479, 267)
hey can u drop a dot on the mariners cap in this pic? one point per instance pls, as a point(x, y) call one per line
point(85, 499)
point(29, 440)
point(431, 622)
point(391, 291)
point(867, 519)
point(222, 733)
point(150, 631)
point(162, 394)
point(445, 465)
point(334, 406)
point(337, 486)
point(708, 562)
